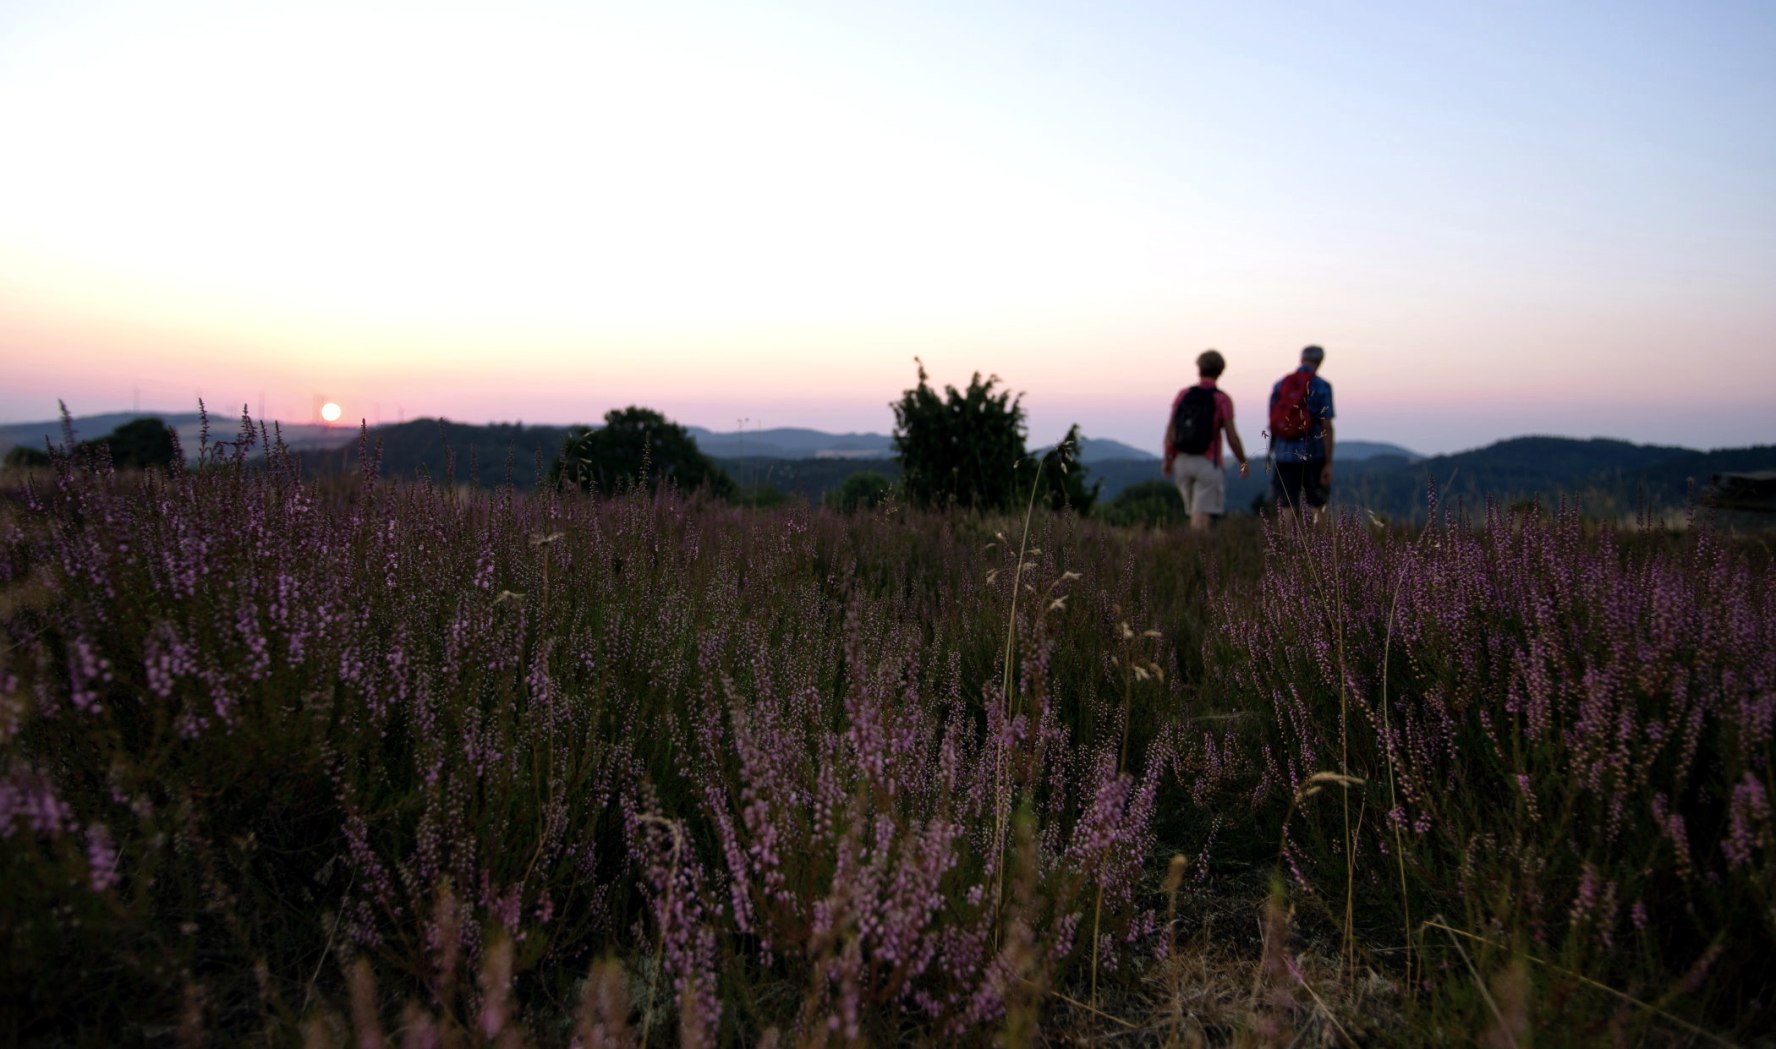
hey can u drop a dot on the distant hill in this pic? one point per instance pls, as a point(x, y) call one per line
point(34, 435)
point(1605, 478)
point(188, 425)
point(86, 427)
point(1121, 472)
point(461, 452)
point(404, 438)
point(1103, 449)
point(788, 443)
point(1115, 459)
point(791, 443)
point(1608, 478)
point(1373, 449)
point(809, 479)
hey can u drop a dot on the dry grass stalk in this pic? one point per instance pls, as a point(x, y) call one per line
point(366, 1021)
point(497, 1023)
point(1273, 1004)
point(603, 1021)
point(1511, 993)
point(1689, 1028)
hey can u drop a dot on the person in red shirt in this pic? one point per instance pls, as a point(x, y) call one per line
point(1193, 443)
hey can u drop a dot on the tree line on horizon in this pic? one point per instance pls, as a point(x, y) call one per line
point(961, 449)
point(966, 449)
point(139, 444)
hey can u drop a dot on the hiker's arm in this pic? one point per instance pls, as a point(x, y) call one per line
point(1326, 471)
point(1239, 450)
point(1166, 469)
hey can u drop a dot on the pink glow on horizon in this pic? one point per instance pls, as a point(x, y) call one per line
point(763, 213)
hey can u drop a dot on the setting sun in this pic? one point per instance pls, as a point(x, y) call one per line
point(767, 210)
point(330, 412)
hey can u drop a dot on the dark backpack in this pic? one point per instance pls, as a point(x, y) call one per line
point(1289, 416)
point(1193, 421)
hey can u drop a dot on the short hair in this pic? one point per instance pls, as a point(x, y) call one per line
point(1210, 364)
point(1313, 355)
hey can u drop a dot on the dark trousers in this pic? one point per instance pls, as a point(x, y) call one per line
point(1297, 484)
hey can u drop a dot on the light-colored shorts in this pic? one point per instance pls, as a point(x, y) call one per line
point(1202, 484)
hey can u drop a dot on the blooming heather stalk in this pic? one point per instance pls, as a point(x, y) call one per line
point(243, 681)
point(1552, 691)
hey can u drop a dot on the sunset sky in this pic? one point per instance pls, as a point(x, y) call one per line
point(1535, 217)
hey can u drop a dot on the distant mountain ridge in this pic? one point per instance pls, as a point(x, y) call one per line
point(1100, 450)
point(1372, 450)
point(1608, 477)
point(188, 425)
point(789, 442)
point(784, 442)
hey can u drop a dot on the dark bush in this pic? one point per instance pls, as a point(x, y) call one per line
point(860, 491)
point(966, 449)
point(1060, 480)
point(637, 447)
point(141, 443)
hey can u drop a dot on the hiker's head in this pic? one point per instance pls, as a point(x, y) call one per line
point(1211, 364)
point(1312, 356)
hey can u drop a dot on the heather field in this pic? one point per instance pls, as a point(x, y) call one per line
point(367, 763)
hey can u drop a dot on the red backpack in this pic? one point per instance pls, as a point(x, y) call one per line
point(1289, 416)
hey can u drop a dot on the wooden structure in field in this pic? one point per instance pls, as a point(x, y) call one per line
point(1755, 491)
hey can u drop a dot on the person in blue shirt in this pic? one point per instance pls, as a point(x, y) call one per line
point(1301, 476)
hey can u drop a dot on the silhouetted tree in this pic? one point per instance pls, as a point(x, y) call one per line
point(966, 449)
point(959, 449)
point(1061, 479)
point(637, 446)
point(141, 443)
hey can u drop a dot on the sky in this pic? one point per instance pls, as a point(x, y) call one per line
point(1546, 217)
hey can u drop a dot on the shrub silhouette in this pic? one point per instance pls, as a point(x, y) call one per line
point(140, 442)
point(964, 449)
point(637, 447)
point(1061, 477)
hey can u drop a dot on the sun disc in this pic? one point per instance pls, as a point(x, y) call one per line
point(330, 412)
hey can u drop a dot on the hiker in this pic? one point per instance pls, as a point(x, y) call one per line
point(1200, 414)
point(1301, 437)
